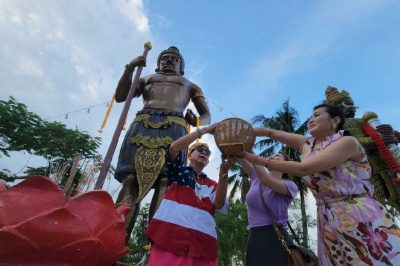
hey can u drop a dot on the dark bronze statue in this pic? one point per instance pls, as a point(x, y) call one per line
point(382, 177)
point(165, 95)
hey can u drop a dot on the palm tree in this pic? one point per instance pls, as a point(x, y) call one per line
point(285, 119)
point(240, 180)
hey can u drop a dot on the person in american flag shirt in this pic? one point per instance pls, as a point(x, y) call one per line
point(182, 230)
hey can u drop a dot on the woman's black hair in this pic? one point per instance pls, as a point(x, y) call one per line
point(333, 111)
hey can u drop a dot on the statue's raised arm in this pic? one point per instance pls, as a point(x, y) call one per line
point(125, 81)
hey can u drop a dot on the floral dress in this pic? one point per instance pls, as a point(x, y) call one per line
point(353, 228)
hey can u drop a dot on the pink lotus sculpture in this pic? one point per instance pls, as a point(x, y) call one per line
point(39, 225)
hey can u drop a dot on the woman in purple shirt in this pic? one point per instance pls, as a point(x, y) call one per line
point(263, 246)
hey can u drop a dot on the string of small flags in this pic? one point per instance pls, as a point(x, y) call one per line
point(220, 107)
point(87, 109)
point(109, 106)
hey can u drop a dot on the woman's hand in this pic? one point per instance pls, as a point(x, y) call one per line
point(210, 129)
point(226, 164)
point(254, 159)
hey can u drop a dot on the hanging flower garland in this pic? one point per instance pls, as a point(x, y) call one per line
point(383, 149)
point(197, 126)
point(107, 114)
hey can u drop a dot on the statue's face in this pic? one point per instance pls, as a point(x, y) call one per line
point(170, 63)
point(348, 107)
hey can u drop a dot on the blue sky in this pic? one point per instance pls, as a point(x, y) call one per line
point(247, 56)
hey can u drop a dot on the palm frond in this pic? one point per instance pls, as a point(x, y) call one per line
point(234, 189)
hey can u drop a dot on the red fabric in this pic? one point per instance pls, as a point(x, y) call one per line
point(182, 241)
point(2, 186)
point(185, 195)
point(39, 225)
point(162, 257)
point(383, 149)
point(179, 239)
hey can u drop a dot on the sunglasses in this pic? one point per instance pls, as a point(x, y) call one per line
point(203, 150)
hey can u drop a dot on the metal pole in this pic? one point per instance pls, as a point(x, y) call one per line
point(117, 132)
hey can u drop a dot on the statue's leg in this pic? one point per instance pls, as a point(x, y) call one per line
point(128, 195)
point(159, 193)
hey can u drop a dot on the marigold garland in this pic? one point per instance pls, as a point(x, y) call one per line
point(384, 150)
point(107, 114)
point(197, 126)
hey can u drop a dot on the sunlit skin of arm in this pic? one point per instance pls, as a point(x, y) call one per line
point(346, 148)
point(274, 183)
point(222, 187)
point(295, 141)
point(273, 180)
point(184, 142)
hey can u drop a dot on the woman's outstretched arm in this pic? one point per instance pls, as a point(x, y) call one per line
point(346, 148)
point(266, 179)
point(295, 141)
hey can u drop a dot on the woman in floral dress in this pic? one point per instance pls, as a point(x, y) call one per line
point(353, 228)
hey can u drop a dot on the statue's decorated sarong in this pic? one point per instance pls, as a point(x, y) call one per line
point(145, 146)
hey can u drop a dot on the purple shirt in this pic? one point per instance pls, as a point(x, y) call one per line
point(277, 203)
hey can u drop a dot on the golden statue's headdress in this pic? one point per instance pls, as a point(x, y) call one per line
point(333, 96)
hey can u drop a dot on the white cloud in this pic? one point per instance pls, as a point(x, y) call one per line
point(163, 22)
point(69, 45)
point(133, 10)
point(29, 66)
point(194, 71)
point(60, 56)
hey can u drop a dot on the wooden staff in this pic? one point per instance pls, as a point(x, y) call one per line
point(117, 132)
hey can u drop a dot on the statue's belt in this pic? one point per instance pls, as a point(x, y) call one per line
point(166, 122)
point(151, 111)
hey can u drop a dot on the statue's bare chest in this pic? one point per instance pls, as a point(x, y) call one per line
point(171, 86)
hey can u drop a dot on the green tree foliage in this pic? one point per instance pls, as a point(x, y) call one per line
point(232, 235)
point(285, 119)
point(239, 181)
point(21, 130)
point(65, 143)
point(296, 221)
point(138, 240)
